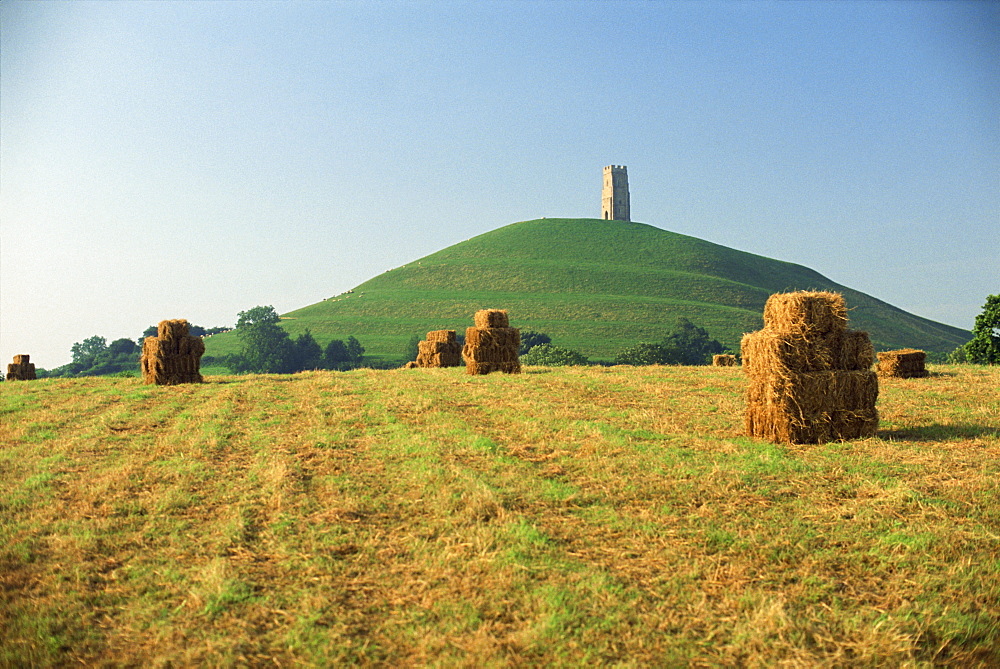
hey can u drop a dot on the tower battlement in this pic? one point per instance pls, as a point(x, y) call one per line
point(614, 196)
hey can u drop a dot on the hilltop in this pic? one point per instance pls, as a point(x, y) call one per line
point(593, 285)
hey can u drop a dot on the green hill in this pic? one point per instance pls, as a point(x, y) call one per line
point(592, 285)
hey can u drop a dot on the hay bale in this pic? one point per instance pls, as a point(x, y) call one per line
point(905, 363)
point(810, 378)
point(410, 365)
point(492, 345)
point(173, 356)
point(442, 336)
point(440, 350)
point(805, 310)
point(22, 369)
point(724, 360)
point(491, 318)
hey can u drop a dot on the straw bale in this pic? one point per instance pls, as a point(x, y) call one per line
point(771, 351)
point(853, 350)
point(812, 407)
point(173, 356)
point(805, 310)
point(442, 336)
point(410, 365)
point(439, 354)
point(491, 318)
point(504, 337)
point(173, 329)
point(21, 369)
point(724, 360)
point(906, 363)
point(496, 354)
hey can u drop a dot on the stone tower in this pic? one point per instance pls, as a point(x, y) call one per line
point(614, 198)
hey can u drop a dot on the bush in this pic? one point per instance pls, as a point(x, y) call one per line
point(548, 355)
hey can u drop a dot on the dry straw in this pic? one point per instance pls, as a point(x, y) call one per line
point(492, 345)
point(491, 318)
point(173, 356)
point(441, 349)
point(724, 360)
point(810, 378)
point(906, 363)
point(22, 369)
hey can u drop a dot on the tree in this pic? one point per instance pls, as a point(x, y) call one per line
point(412, 349)
point(123, 347)
point(530, 339)
point(355, 350)
point(984, 348)
point(645, 354)
point(690, 344)
point(552, 356)
point(687, 344)
point(85, 351)
point(335, 356)
point(266, 348)
point(308, 354)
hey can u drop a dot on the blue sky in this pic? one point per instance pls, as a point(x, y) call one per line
point(192, 160)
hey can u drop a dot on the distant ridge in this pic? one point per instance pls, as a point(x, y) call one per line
point(592, 285)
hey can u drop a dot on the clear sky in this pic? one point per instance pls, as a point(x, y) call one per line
point(195, 159)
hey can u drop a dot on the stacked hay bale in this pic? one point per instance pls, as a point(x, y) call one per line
point(492, 345)
point(172, 356)
point(810, 376)
point(723, 360)
point(441, 349)
point(905, 363)
point(21, 369)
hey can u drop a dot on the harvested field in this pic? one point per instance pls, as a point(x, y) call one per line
point(569, 516)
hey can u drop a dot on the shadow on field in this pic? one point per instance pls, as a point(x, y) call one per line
point(938, 432)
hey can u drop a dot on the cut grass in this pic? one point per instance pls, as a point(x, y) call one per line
point(560, 517)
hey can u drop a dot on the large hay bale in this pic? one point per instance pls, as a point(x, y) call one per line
point(173, 356)
point(905, 363)
point(724, 360)
point(810, 378)
point(22, 369)
point(492, 345)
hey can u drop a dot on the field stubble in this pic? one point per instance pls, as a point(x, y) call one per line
point(560, 517)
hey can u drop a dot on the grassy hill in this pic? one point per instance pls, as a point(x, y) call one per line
point(568, 517)
point(593, 285)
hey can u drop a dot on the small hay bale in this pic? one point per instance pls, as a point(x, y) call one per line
point(805, 310)
point(905, 363)
point(724, 360)
point(439, 353)
point(173, 356)
point(22, 369)
point(410, 365)
point(491, 318)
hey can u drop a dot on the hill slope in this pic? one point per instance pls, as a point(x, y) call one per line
point(593, 285)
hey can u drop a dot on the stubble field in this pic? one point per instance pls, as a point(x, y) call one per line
point(560, 517)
